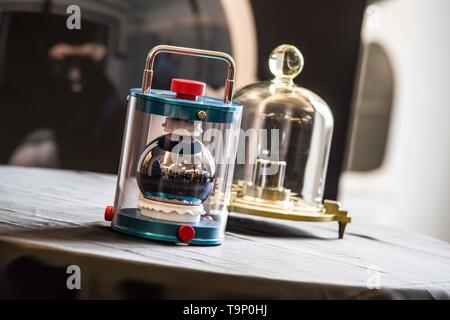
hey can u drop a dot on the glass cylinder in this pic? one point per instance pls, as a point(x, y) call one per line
point(177, 162)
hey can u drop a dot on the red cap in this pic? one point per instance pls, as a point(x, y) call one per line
point(188, 89)
point(186, 232)
point(109, 213)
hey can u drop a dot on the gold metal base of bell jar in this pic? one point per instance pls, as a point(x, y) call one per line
point(290, 209)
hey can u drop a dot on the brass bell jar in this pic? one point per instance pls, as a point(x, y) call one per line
point(285, 144)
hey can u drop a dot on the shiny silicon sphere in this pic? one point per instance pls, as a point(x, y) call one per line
point(176, 169)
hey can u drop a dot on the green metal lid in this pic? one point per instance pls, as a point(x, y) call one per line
point(204, 108)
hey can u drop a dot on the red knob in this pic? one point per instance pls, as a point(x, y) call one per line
point(109, 213)
point(186, 232)
point(187, 89)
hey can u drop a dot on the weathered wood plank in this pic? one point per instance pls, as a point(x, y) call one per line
point(56, 216)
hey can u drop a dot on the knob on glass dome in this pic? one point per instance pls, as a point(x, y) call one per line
point(286, 62)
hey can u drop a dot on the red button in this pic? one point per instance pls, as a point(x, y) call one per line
point(109, 213)
point(187, 89)
point(186, 232)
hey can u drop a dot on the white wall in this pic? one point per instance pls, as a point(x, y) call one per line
point(411, 190)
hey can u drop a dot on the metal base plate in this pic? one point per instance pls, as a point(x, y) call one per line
point(130, 221)
point(331, 212)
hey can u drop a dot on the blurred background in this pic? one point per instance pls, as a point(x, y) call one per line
point(382, 66)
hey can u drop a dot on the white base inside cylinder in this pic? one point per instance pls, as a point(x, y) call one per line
point(169, 211)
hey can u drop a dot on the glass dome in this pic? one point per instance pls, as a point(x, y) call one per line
point(284, 169)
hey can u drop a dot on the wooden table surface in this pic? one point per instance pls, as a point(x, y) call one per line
point(50, 219)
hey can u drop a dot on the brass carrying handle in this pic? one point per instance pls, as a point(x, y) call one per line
point(148, 72)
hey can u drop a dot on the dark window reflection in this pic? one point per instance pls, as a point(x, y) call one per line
point(62, 92)
point(59, 109)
